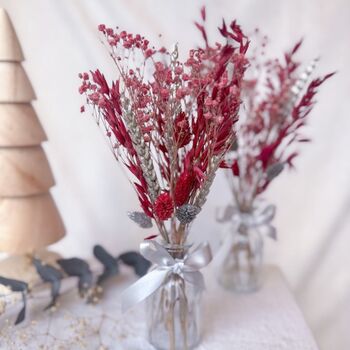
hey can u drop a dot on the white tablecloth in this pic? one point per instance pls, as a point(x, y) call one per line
point(267, 320)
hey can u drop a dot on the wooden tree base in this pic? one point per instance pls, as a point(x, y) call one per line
point(20, 266)
point(29, 223)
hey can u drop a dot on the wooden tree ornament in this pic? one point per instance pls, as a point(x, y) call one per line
point(29, 219)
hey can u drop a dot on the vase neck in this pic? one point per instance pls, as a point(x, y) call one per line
point(177, 251)
point(243, 230)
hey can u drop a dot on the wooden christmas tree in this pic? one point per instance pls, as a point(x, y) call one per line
point(29, 219)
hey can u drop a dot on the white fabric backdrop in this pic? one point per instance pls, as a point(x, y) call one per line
point(60, 39)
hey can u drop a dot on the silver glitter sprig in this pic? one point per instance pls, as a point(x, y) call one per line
point(140, 218)
point(204, 190)
point(144, 155)
point(299, 86)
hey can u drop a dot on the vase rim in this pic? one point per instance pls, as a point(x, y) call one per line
point(167, 245)
point(177, 250)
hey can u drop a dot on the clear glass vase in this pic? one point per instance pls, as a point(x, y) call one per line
point(173, 311)
point(241, 261)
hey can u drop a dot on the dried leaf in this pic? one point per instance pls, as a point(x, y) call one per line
point(17, 286)
point(79, 268)
point(22, 314)
point(137, 261)
point(140, 218)
point(50, 275)
point(274, 170)
point(272, 233)
point(109, 262)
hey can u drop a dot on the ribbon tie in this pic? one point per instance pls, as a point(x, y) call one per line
point(165, 265)
point(258, 219)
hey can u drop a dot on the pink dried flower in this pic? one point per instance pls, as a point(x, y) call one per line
point(182, 130)
point(178, 70)
point(101, 27)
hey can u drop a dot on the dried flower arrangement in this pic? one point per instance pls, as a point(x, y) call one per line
point(277, 101)
point(169, 122)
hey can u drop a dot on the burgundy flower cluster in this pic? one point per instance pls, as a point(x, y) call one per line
point(170, 122)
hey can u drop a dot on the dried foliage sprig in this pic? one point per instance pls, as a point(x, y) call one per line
point(277, 100)
point(170, 122)
point(90, 283)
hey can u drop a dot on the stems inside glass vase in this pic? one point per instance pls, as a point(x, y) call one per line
point(242, 266)
point(173, 310)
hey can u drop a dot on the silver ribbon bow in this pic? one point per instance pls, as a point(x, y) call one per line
point(259, 219)
point(187, 268)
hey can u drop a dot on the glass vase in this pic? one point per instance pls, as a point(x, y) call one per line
point(241, 261)
point(173, 311)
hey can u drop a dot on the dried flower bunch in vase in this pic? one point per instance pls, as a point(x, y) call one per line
point(170, 124)
point(277, 99)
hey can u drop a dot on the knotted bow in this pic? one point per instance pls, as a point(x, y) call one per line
point(259, 219)
point(187, 268)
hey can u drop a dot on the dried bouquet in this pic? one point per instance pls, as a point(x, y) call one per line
point(169, 122)
point(277, 99)
point(277, 102)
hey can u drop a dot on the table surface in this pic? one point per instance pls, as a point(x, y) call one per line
point(266, 320)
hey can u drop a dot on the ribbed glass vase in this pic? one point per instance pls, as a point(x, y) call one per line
point(241, 266)
point(173, 311)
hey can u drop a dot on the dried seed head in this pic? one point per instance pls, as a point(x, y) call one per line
point(187, 213)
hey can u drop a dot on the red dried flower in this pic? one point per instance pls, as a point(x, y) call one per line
point(183, 188)
point(163, 206)
point(182, 132)
point(235, 168)
point(101, 27)
point(100, 80)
